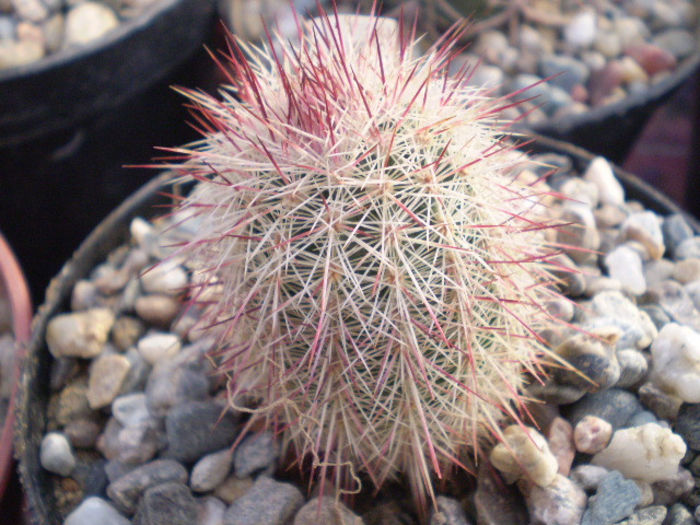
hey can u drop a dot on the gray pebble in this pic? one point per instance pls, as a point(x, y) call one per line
point(663, 405)
point(647, 516)
point(676, 302)
point(116, 469)
point(497, 503)
point(569, 71)
point(679, 515)
point(616, 406)
point(614, 500)
point(612, 308)
point(183, 378)
point(267, 501)
point(55, 454)
point(331, 512)
point(126, 490)
point(592, 354)
point(679, 42)
point(688, 424)
point(167, 504)
point(210, 471)
point(139, 372)
point(669, 491)
point(688, 248)
point(555, 393)
point(633, 367)
point(7, 28)
point(133, 444)
point(82, 433)
point(257, 452)
point(676, 230)
point(656, 314)
point(642, 418)
point(559, 503)
point(131, 409)
point(195, 428)
point(94, 510)
point(210, 511)
point(449, 512)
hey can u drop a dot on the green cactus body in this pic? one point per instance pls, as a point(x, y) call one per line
point(373, 270)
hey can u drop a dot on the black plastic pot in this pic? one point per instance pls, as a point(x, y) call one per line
point(34, 387)
point(612, 130)
point(74, 84)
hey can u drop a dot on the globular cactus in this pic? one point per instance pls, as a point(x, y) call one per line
point(373, 268)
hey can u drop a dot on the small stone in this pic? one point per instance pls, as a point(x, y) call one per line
point(560, 437)
point(139, 372)
point(592, 434)
point(182, 378)
point(569, 71)
point(131, 409)
point(663, 405)
point(555, 393)
point(107, 374)
point(647, 493)
point(165, 278)
point(679, 515)
point(676, 230)
point(72, 403)
point(195, 428)
point(559, 503)
point(588, 476)
point(84, 296)
point(580, 191)
point(593, 355)
point(688, 248)
point(614, 500)
point(616, 406)
point(669, 491)
point(126, 332)
point(82, 433)
point(88, 21)
point(604, 83)
point(53, 32)
point(676, 302)
point(608, 44)
point(331, 512)
point(625, 265)
point(233, 488)
point(268, 501)
point(652, 58)
point(633, 74)
point(257, 452)
point(94, 510)
point(210, 471)
point(676, 362)
point(126, 491)
point(580, 32)
point(55, 454)
point(156, 346)
point(487, 77)
point(601, 174)
point(32, 10)
point(644, 227)
point(688, 424)
point(647, 516)
point(633, 367)
point(157, 309)
point(210, 511)
point(679, 42)
point(649, 453)
point(496, 503)
point(166, 504)
point(79, 334)
point(580, 234)
point(524, 453)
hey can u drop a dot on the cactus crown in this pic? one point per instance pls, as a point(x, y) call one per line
point(374, 268)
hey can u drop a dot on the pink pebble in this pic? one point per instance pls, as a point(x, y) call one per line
point(604, 81)
point(592, 434)
point(561, 444)
point(653, 59)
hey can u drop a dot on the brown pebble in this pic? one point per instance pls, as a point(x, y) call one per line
point(653, 59)
point(560, 437)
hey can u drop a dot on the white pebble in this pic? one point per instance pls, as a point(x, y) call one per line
point(156, 346)
point(79, 334)
point(601, 174)
point(648, 452)
point(676, 362)
point(55, 454)
point(524, 453)
point(625, 265)
point(88, 21)
point(167, 277)
point(581, 30)
point(94, 511)
point(644, 227)
point(592, 434)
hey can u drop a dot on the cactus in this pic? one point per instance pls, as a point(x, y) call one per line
point(373, 268)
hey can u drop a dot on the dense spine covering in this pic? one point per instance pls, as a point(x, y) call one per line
point(374, 269)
